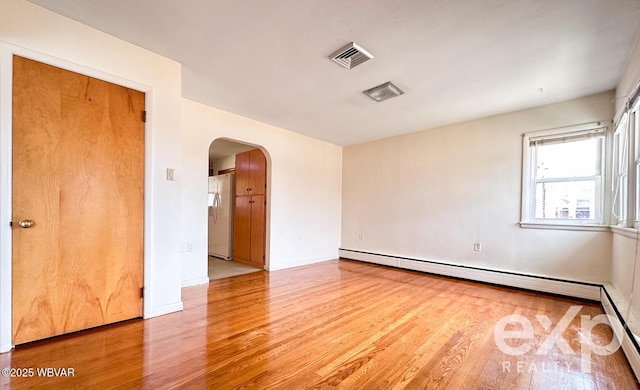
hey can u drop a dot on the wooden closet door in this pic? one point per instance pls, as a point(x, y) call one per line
point(78, 174)
point(257, 229)
point(249, 219)
point(242, 229)
point(258, 172)
point(242, 171)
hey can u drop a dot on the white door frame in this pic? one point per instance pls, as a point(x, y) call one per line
point(7, 51)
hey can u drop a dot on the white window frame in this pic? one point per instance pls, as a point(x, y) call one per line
point(528, 216)
point(634, 164)
point(621, 178)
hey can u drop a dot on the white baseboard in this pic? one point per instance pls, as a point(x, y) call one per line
point(166, 309)
point(195, 282)
point(6, 348)
point(628, 346)
point(301, 263)
point(568, 288)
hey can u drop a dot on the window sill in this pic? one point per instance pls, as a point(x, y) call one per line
point(555, 226)
point(625, 231)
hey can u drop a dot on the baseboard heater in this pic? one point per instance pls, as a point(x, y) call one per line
point(569, 288)
point(628, 341)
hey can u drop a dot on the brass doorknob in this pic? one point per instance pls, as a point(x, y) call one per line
point(26, 223)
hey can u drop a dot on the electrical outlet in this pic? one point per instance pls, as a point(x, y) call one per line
point(190, 247)
point(477, 246)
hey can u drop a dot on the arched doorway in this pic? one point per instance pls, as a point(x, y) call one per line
point(236, 208)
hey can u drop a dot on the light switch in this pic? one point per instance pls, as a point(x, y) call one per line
point(171, 175)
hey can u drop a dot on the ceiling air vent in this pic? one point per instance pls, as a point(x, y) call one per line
point(351, 55)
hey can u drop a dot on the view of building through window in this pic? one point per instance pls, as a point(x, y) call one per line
point(565, 200)
point(567, 179)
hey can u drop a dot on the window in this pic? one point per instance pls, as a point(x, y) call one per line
point(621, 172)
point(625, 189)
point(562, 176)
point(626, 168)
point(634, 129)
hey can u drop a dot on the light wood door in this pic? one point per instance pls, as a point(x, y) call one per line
point(249, 211)
point(257, 229)
point(78, 173)
point(242, 229)
point(249, 230)
point(251, 173)
point(243, 167)
point(257, 172)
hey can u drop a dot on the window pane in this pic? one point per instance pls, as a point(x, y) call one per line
point(566, 200)
point(621, 150)
point(622, 198)
point(570, 159)
point(637, 216)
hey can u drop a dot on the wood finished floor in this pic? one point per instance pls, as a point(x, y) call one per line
point(338, 324)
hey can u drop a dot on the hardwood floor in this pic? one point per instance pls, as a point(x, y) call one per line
point(335, 324)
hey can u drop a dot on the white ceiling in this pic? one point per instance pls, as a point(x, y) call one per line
point(456, 60)
point(223, 148)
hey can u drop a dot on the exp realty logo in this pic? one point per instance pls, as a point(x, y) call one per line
point(523, 339)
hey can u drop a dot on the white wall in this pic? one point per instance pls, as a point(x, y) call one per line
point(625, 277)
point(432, 194)
point(220, 164)
point(629, 78)
point(304, 175)
point(35, 32)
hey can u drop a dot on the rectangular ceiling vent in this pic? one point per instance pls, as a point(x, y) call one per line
point(351, 55)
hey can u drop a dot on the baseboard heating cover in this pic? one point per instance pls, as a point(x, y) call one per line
point(569, 288)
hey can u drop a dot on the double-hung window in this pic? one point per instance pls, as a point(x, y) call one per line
point(621, 172)
point(634, 130)
point(626, 168)
point(563, 176)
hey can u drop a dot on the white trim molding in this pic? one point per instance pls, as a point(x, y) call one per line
point(559, 226)
point(166, 309)
point(625, 231)
point(195, 282)
point(289, 264)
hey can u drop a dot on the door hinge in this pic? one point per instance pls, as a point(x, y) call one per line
point(144, 116)
point(141, 292)
point(10, 223)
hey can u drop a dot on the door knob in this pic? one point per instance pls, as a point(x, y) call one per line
point(26, 223)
